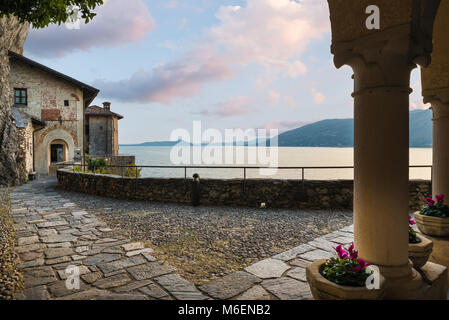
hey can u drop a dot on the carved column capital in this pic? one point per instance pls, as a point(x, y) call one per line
point(380, 61)
point(436, 96)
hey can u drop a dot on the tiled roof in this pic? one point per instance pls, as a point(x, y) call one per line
point(99, 111)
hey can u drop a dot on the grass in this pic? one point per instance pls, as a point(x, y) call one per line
point(11, 279)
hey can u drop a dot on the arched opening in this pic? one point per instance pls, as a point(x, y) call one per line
point(57, 153)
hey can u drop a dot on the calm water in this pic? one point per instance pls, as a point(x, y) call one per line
point(288, 157)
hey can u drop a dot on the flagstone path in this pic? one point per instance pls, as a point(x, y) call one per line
point(53, 233)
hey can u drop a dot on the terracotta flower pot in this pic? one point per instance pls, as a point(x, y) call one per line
point(419, 252)
point(433, 226)
point(323, 289)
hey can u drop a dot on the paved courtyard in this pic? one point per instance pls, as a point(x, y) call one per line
point(54, 233)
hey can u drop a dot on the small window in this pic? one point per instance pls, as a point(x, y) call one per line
point(66, 103)
point(20, 96)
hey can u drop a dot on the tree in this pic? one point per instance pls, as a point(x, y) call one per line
point(41, 13)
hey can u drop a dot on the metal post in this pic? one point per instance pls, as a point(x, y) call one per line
point(185, 179)
point(244, 179)
point(302, 176)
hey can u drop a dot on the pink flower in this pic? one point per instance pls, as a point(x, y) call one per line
point(357, 268)
point(363, 264)
point(351, 248)
point(439, 198)
point(354, 255)
point(411, 221)
point(342, 254)
point(430, 202)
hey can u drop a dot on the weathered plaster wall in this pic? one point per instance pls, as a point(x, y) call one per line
point(234, 192)
point(103, 136)
point(46, 95)
point(12, 160)
point(98, 135)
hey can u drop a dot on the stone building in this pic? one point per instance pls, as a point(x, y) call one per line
point(101, 130)
point(48, 108)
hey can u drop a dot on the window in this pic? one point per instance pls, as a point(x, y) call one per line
point(66, 103)
point(20, 96)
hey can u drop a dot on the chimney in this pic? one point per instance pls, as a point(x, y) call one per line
point(107, 106)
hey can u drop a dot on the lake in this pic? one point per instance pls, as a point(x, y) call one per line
point(287, 157)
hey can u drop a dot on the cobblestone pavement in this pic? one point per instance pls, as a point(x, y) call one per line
point(208, 242)
point(54, 233)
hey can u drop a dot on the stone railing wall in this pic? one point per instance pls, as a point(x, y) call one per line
point(293, 194)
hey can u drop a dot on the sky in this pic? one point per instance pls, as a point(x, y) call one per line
point(228, 63)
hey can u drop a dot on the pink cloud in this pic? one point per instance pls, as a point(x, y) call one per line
point(110, 28)
point(273, 98)
point(270, 33)
point(318, 97)
point(237, 106)
point(182, 78)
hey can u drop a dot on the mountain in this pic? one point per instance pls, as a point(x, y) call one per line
point(157, 144)
point(421, 129)
point(325, 133)
point(340, 132)
point(335, 133)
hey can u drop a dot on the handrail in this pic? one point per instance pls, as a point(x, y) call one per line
point(231, 167)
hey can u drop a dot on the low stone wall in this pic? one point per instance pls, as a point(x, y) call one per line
point(316, 194)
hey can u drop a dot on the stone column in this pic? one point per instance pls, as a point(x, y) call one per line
point(440, 172)
point(382, 67)
point(382, 60)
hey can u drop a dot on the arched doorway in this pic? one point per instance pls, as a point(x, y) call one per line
point(58, 153)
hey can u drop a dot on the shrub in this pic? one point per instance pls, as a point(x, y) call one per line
point(133, 171)
point(347, 269)
point(412, 237)
point(93, 165)
point(435, 208)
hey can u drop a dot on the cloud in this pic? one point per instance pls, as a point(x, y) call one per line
point(233, 107)
point(270, 33)
point(183, 23)
point(318, 97)
point(110, 28)
point(283, 125)
point(273, 97)
point(419, 105)
point(182, 78)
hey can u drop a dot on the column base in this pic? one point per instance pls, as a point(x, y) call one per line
point(407, 283)
point(440, 251)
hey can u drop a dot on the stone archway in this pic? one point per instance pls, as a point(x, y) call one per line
point(56, 136)
point(435, 90)
point(382, 60)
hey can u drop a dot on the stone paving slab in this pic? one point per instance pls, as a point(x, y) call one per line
point(53, 234)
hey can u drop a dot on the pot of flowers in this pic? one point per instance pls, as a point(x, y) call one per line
point(343, 277)
point(419, 247)
point(433, 219)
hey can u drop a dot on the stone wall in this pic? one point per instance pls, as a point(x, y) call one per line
point(333, 194)
point(12, 158)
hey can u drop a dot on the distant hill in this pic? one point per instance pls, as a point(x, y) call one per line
point(325, 133)
point(421, 129)
point(335, 133)
point(157, 144)
point(340, 133)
